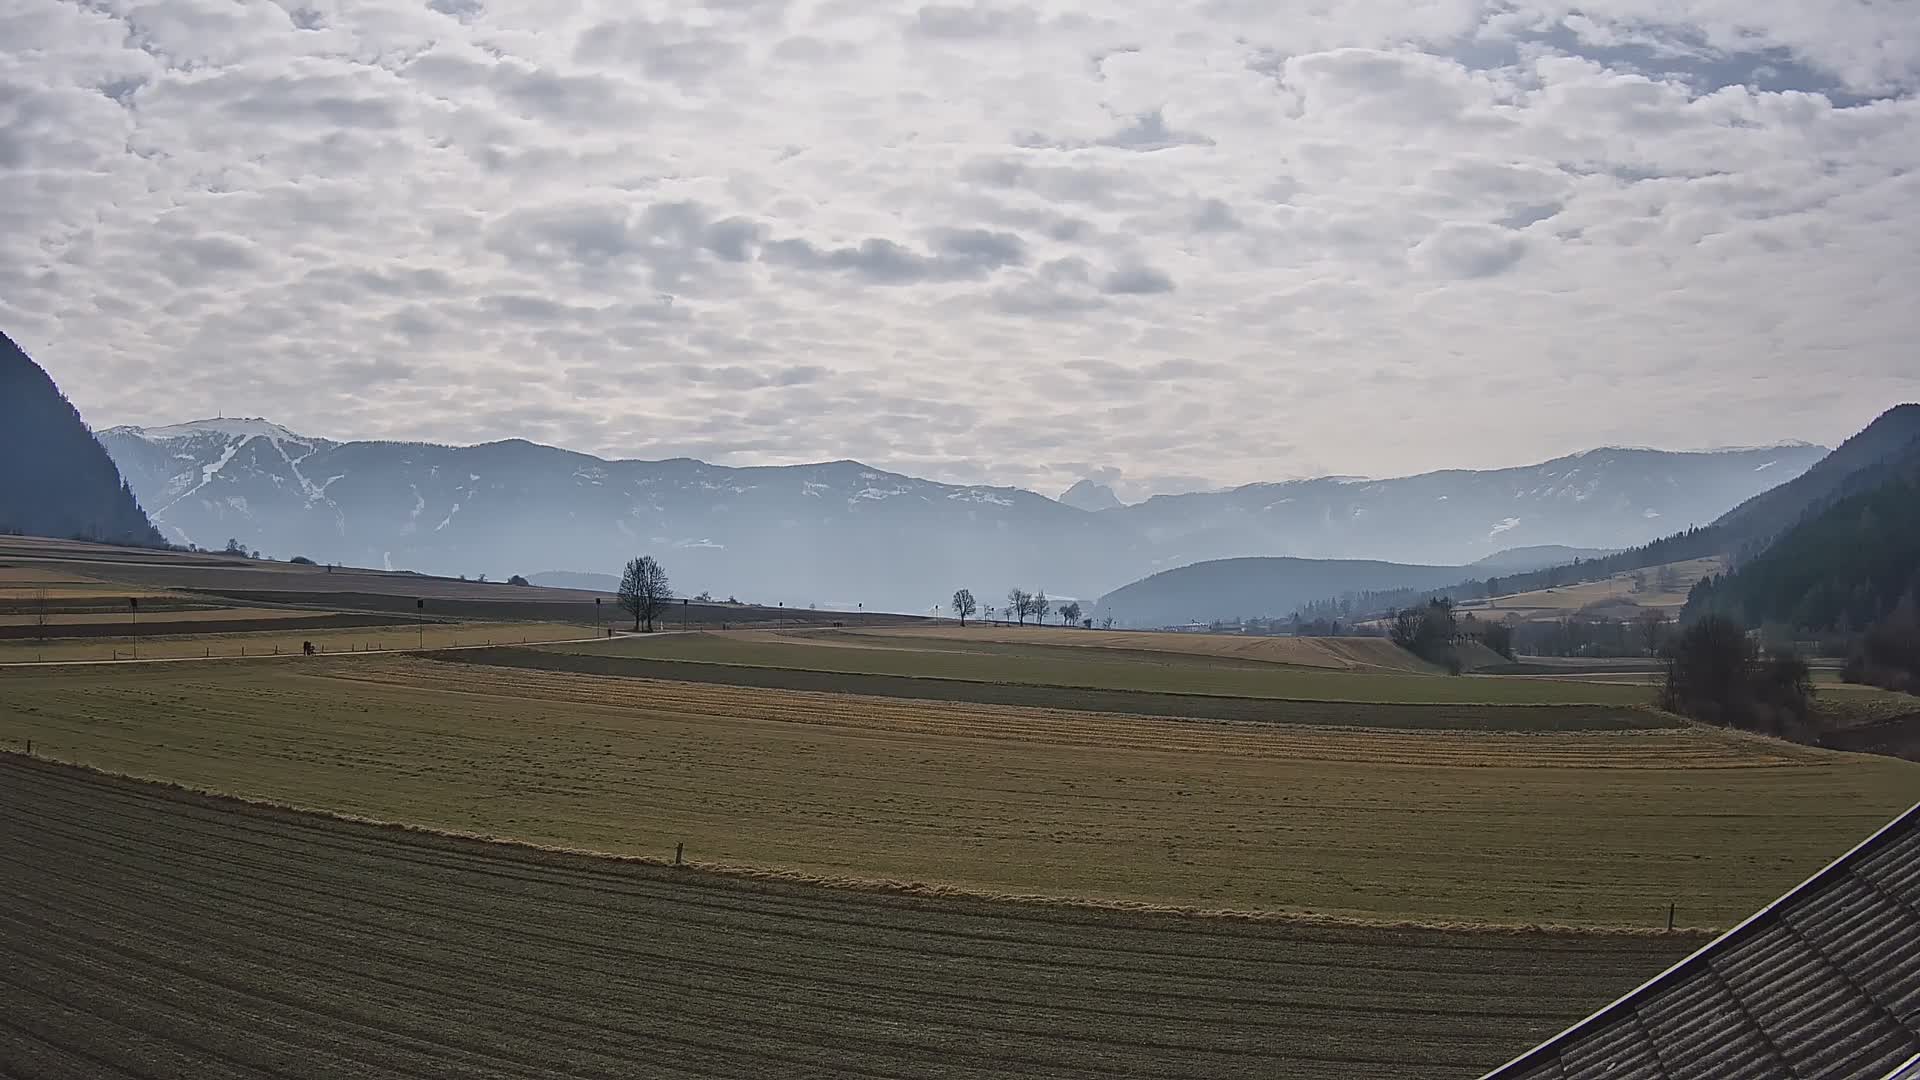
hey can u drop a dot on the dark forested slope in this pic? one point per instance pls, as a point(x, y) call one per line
point(55, 478)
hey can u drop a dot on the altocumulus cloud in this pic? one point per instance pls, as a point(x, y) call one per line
point(979, 239)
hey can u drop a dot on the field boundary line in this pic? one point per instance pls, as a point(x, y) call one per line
point(874, 886)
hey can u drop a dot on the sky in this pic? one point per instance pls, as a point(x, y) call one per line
point(1165, 246)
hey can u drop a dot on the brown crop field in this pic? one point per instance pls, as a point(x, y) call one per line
point(332, 633)
point(1039, 663)
point(151, 932)
point(57, 621)
point(1586, 828)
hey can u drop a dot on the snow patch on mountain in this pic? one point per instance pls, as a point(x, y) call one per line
point(1504, 526)
point(232, 427)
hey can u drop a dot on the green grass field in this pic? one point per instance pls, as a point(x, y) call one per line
point(150, 932)
point(1585, 828)
point(1120, 669)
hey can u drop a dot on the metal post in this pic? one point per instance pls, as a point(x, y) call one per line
point(1669, 916)
point(133, 603)
point(678, 850)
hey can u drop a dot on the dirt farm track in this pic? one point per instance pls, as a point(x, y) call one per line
point(167, 934)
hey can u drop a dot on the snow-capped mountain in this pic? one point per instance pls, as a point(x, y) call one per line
point(838, 530)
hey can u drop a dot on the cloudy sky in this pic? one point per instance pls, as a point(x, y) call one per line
point(1173, 245)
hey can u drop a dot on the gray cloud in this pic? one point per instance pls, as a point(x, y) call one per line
point(1136, 281)
point(972, 21)
point(1145, 133)
point(812, 223)
point(956, 255)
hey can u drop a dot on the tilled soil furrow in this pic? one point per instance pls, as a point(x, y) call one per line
point(358, 950)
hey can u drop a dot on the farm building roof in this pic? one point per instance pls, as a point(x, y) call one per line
point(1823, 982)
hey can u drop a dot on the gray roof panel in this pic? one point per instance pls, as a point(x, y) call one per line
point(1822, 984)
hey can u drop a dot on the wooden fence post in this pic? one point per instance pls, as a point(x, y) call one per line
point(1669, 916)
point(678, 850)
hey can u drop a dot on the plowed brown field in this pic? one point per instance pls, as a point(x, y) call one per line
point(154, 933)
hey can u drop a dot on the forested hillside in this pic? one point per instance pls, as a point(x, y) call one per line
point(1839, 571)
point(1861, 464)
point(56, 479)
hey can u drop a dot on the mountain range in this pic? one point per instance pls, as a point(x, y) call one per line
point(844, 534)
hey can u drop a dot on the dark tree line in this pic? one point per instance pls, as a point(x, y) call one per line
point(1715, 673)
point(1428, 631)
point(1847, 577)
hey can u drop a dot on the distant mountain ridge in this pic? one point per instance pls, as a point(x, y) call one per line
point(1259, 587)
point(838, 530)
point(55, 478)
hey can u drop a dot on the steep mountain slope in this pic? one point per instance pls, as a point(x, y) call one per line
point(1840, 569)
point(843, 533)
point(1860, 463)
point(1257, 588)
point(55, 478)
point(1853, 466)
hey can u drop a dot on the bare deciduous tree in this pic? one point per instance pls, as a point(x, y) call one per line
point(1653, 630)
point(1040, 606)
point(1019, 604)
point(644, 590)
point(964, 605)
point(42, 615)
point(1070, 613)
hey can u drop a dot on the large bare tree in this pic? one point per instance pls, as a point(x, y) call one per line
point(964, 605)
point(644, 590)
point(1039, 606)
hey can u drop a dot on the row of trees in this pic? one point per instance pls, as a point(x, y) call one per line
point(1021, 606)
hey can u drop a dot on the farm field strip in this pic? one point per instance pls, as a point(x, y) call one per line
point(1593, 829)
point(372, 633)
point(120, 617)
point(1345, 654)
point(1084, 668)
point(1084, 699)
point(1664, 748)
point(203, 938)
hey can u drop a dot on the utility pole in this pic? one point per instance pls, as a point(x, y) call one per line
point(420, 604)
point(133, 604)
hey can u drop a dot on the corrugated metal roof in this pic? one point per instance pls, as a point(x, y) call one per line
point(1822, 983)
